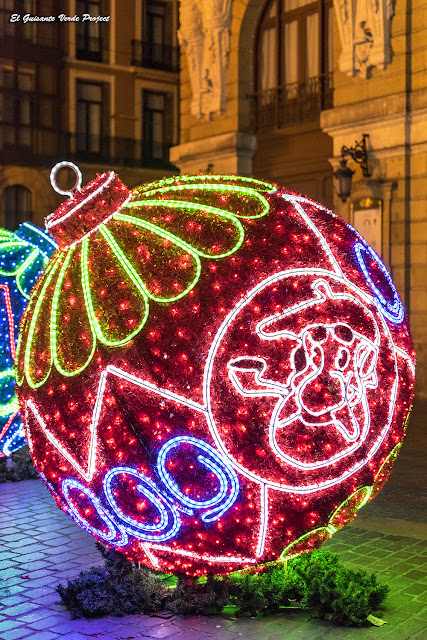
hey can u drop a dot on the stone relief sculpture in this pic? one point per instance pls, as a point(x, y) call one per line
point(205, 36)
point(365, 33)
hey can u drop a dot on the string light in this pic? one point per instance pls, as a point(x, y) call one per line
point(23, 256)
point(214, 373)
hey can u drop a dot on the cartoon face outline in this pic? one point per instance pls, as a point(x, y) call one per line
point(364, 361)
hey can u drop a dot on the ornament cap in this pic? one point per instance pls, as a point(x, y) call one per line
point(87, 208)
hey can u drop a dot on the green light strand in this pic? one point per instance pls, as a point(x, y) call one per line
point(12, 405)
point(54, 264)
point(365, 494)
point(10, 245)
point(176, 204)
point(173, 239)
point(241, 191)
point(260, 184)
point(54, 322)
point(96, 327)
point(21, 271)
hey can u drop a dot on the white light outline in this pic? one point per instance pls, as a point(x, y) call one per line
point(208, 375)
point(263, 520)
point(71, 165)
point(51, 223)
point(199, 556)
point(103, 221)
point(295, 200)
point(45, 237)
point(206, 409)
point(370, 381)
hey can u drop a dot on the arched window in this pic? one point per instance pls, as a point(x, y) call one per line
point(16, 206)
point(294, 62)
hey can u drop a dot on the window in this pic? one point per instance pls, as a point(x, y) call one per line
point(89, 35)
point(157, 49)
point(91, 114)
point(294, 61)
point(157, 127)
point(17, 106)
point(16, 205)
point(24, 30)
point(155, 28)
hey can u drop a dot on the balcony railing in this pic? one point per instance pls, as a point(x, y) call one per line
point(34, 146)
point(90, 48)
point(291, 103)
point(155, 56)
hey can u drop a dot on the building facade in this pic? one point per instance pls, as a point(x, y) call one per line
point(276, 88)
point(102, 94)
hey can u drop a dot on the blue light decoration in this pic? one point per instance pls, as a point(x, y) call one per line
point(390, 306)
point(229, 483)
point(23, 257)
point(166, 501)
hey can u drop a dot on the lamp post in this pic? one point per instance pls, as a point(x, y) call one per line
point(343, 175)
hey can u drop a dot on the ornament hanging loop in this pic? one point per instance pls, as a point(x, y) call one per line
point(78, 184)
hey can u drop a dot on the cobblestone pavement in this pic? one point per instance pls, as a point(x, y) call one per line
point(40, 546)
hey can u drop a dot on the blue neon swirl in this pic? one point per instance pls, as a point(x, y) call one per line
point(111, 536)
point(170, 521)
point(229, 484)
point(393, 311)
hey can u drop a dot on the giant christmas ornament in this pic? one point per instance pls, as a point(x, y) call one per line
point(23, 256)
point(215, 372)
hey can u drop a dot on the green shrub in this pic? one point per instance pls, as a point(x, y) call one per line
point(117, 588)
point(316, 580)
point(333, 592)
point(195, 597)
point(265, 592)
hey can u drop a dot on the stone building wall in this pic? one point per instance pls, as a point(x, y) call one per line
point(381, 94)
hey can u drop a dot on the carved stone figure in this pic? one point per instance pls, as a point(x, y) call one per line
point(205, 36)
point(365, 32)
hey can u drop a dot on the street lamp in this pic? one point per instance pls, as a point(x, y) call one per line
point(343, 175)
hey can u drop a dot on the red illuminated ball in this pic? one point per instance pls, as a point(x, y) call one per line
point(215, 372)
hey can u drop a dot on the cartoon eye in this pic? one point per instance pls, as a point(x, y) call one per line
point(319, 334)
point(342, 358)
point(343, 333)
point(300, 361)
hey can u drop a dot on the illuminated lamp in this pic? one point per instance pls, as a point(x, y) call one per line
point(215, 372)
point(23, 256)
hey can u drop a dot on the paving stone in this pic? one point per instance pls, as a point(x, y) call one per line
point(49, 622)
point(188, 635)
point(16, 610)
point(48, 599)
point(9, 573)
point(44, 635)
point(11, 600)
point(164, 631)
point(40, 582)
point(38, 614)
point(15, 634)
point(8, 624)
point(40, 573)
point(10, 591)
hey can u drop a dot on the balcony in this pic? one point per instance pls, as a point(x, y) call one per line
point(30, 146)
point(155, 56)
point(90, 48)
point(291, 103)
point(20, 41)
